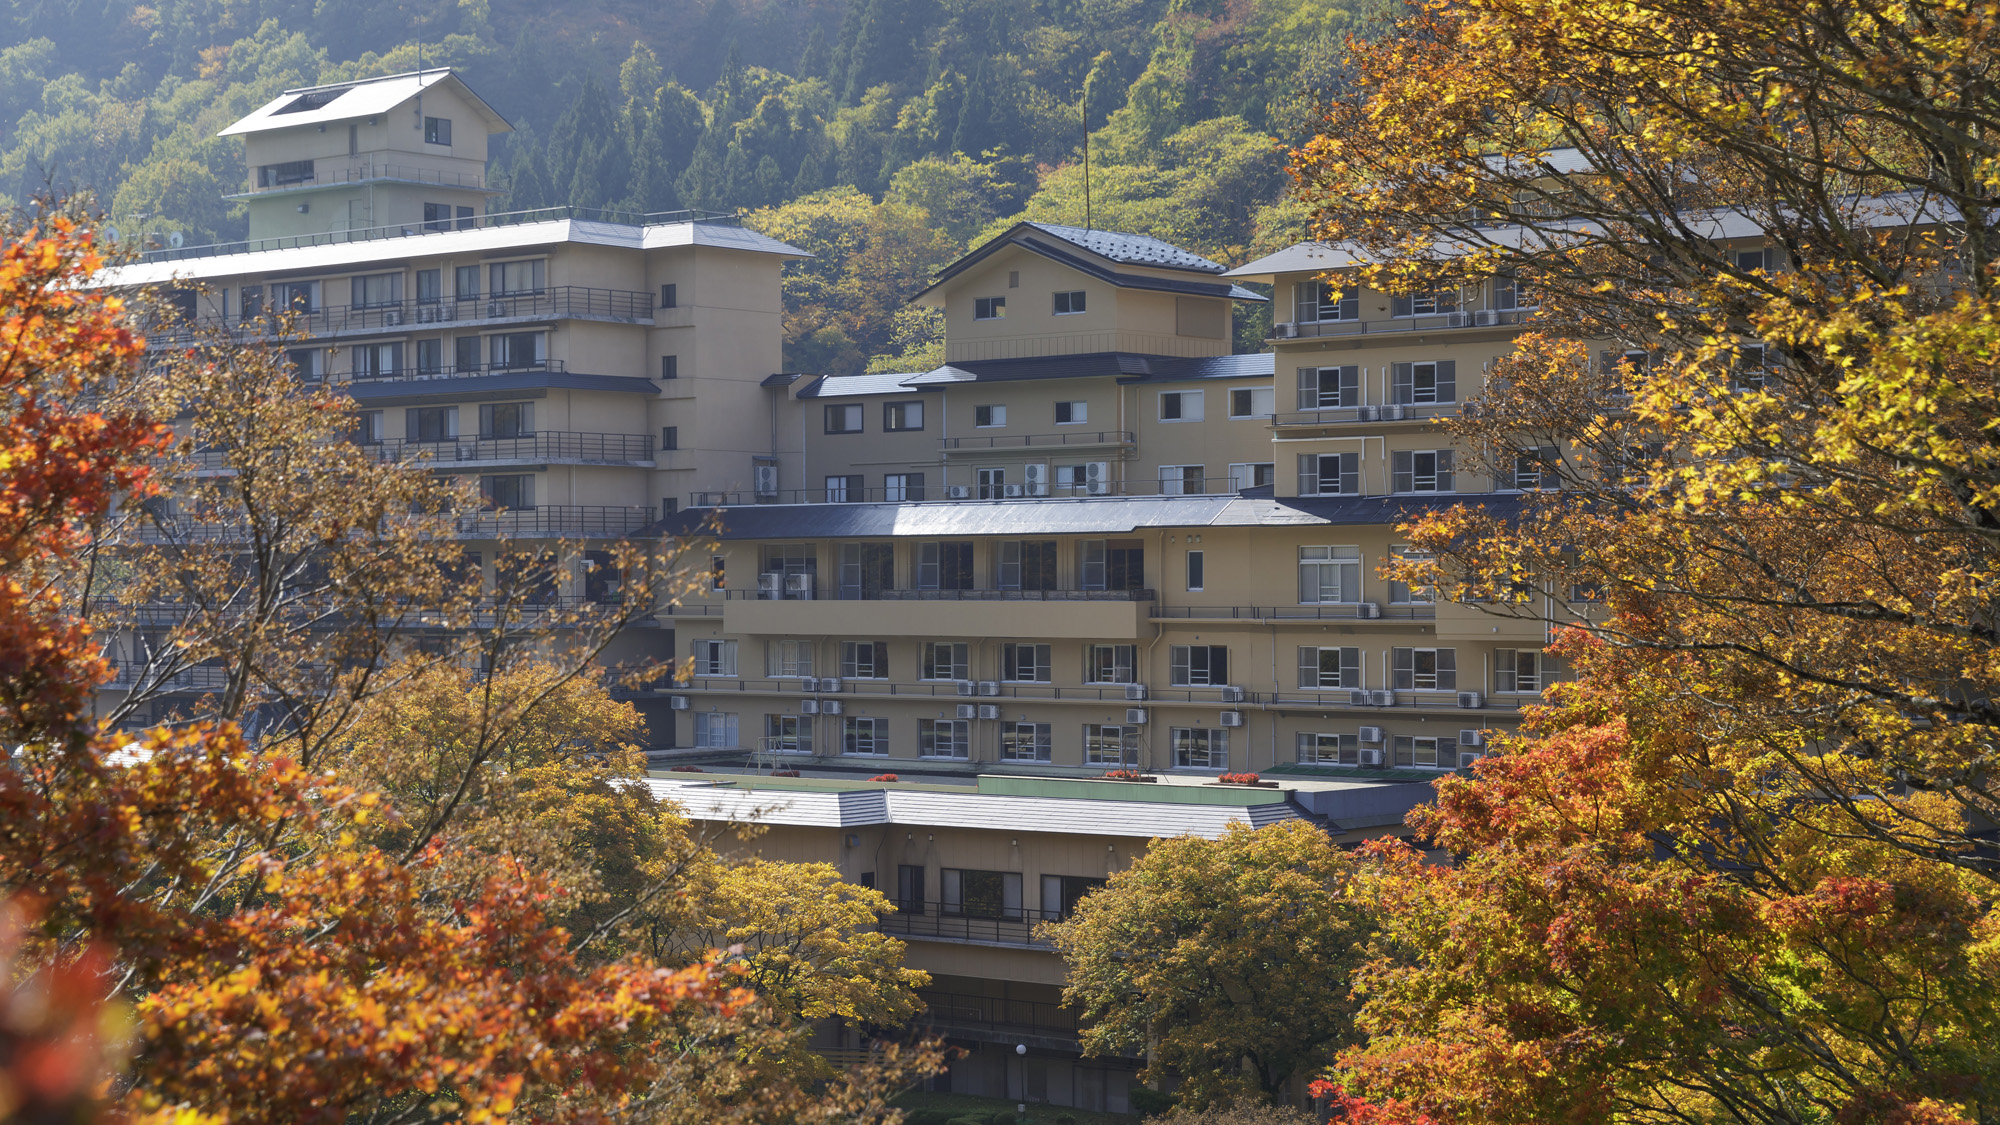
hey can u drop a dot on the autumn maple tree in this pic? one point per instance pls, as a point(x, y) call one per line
point(1739, 870)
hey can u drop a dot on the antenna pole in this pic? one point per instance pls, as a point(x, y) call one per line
point(1086, 155)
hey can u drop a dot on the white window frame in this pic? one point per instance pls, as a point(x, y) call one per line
point(1040, 659)
point(1269, 396)
point(1182, 401)
point(1069, 302)
point(1181, 670)
point(1415, 678)
point(1095, 736)
point(1079, 413)
point(714, 658)
point(1344, 561)
point(1243, 474)
point(959, 666)
point(878, 660)
point(1038, 738)
point(1314, 657)
point(1317, 748)
point(877, 738)
point(954, 735)
point(1094, 660)
point(1444, 752)
point(778, 741)
point(989, 308)
point(1174, 480)
point(996, 416)
point(788, 659)
point(716, 730)
point(1213, 754)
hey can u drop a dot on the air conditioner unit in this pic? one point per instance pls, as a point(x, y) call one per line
point(1136, 716)
point(678, 702)
point(1370, 757)
point(830, 685)
point(1367, 413)
point(799, 584)
point(1368, 611)
point(1371, 734)
point(829, 706)
point(429, 314)
point(1135, 691)
point(1472, 738)
point(770, 583)
point(1357, 699)
point(968, 711)
point(989, 710)
point(1466, 758)
point(1485, 318)
point(1457, 319)
point(1469, 699)
point(1382, 698)
point(808, 685)
point(1232, 718)
point(959, 491)
point(967, 687)
point(1230, 694)
point(1284, 331)
point(989, 687)
point(1469, 410)
point(392, 316)
point(1010, 491)
point(808, 706)
point(1393, 413)
point(496, 308)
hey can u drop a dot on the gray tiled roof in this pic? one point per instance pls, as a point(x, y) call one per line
point(1132, 249)
point(838, 386)
point(1129, 367)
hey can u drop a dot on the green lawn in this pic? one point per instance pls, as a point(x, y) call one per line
point(956, 1104)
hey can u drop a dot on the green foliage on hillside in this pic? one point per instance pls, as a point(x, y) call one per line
point(886, 135)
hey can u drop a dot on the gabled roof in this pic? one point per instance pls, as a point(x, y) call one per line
point(1127, 367)
point(842, 386)
point(1098, 254)
point(368, 97)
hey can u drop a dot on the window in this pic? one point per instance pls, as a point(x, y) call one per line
point(944, 566)
point(989, 416)
point(297, 296)
point(788, 660)
point(430, 286)
point(789, 572)
point(1329, 388)
point(1750, 261)
point(1510, 294)
point(670, 438)
point(430, 357)
point(306, 363)
point(508, 278)
point(508, 490)
point(714, 658)
point(1329, 474)
point(670, 296)
point(900, 416)
point(1198, 748)
point(437, 130)
point(367, 427)
point(1105, 745)
point(1196, 564)
point(1318, 301)
point(1013, 279)
point(1329, 749)
point(670, 367)
point(1183, 480)
point(377, 290)
point(714, 730)
point(1420, 470)
point(286, 174)
point(465, 355)
point(1751, 369)
point(910, 889)
point(843, 419)
point(1523, 670)
point(787, 734)
point(844, 489)
point(944, 738)
point(1111, 564)
point(1252, 474)
point(1436, 753)
point(1536, 468)
point(864, 660)
point(897, 487)
point(1180, 406)
point(1199, 665)
point(430, 423)
point(465, 281)
point(1070, 303)
point(1329, 575)
point(992, 483)
point(517, 351)
point(1424, 304)
point(1092, 478)
point(979, 894)
point(1072, 413)
point(718, 572)
point(989, 308)
point(1402, 593)
point(1109, 664)
point(1026, 664)
point(866, 736)
point(945, 660)
point(1253, 402)
point(1421, 383)
point(1025, 564)
point(465, 218)
point(1324, 668)
point(378, 361)
point(251, 302)
point(437, 216)
point(1424, 669)
point(867, 570)
point(506, 419)
point(1024, 742)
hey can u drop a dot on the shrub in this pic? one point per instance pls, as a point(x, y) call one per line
point(1238, 779)
point(784, 773)
point(687, 769)
point(1065, 1119)
point(1241, 1113)
point(1148, 1101)
point(1123, 775)
point(885, 777)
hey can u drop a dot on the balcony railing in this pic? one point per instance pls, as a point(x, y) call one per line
point(1038, 441)
point(560, 302)
point(362, 173)
point(954, 923)
point(407, 230)
point(410, 374)
point(1395, 412)
point(547, 445)
point(960, 493)
point(995, 1014)
point(1472, 318)
point(128, 674)
point(970, 691)
point(835, 594)
point(595, 520)
point(1344, 611)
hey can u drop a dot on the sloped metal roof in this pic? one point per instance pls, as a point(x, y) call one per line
point(1132, 249)
point(1124, 366)
point(842, 386)
point(345, 101)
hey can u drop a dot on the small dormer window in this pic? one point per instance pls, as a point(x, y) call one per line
point(989, 308)
point(437, 130)
point(311, 100)
point(1070, 303)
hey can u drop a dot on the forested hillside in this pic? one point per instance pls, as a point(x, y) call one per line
point(882, 134)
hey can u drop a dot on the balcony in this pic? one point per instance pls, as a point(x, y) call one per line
point(1344, 611)
point(128, 674)
point(997, 1019)
point(1081, 440)
point(628, 219)
point(969, 691)
point(1374, 415)
point(563, 302)
point(560, 447)
point(934, 921)
point(1435, 322)
point(934, 493)
point(322, 178)
point(590, 521)
point(1083, 614)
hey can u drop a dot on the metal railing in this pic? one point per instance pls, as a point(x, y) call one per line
point(957, 690)
point(1433, 322)
point(544, 445)
point(993, 1013)
point(605, 520)
point(953, 922)
point(407, 230)
point(1344, 611)
point(413, 374)
point(964, 493)
point(835, 594)
point(557, 302)
point(1394, 412)
point(361, 173)
point(1038, 441)
point(128, 674)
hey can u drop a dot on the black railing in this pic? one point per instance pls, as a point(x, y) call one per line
point(993, 1013)
point(128, 674)
point(407, 230)
point(410, 374)
point(836, 594)
point(1345, 611)
point(547, 445)
point(406, 173)
point(555, 519)
point(953, 922)
point(1036, 441)
point(556, 303)
point(962, 493)
point(1394, 412)
point(1430, 322)
point(974, 691)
